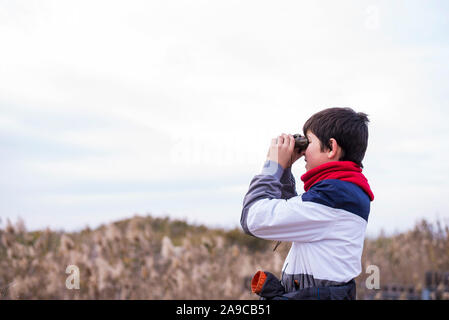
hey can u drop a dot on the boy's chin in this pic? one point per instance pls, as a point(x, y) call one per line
point(309, 167)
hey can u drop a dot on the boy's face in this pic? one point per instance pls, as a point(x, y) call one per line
point(314, 156)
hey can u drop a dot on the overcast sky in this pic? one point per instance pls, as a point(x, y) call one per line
point(115, 108)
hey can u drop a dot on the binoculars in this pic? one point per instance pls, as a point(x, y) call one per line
point(301, 142)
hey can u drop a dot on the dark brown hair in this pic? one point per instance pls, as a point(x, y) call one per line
point(347, 127)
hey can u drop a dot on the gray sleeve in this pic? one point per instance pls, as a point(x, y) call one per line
point(266, 185)
point(288, 184)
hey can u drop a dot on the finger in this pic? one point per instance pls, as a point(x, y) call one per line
point(280, 140)
point(286, 138)
point(291, 142)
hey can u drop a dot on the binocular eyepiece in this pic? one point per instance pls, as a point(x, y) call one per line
point(301, 142)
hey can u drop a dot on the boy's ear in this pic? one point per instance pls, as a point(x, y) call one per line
point(334, 149)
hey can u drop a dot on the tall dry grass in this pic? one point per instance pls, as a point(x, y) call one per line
point(404, 259)
point(155, 258)
point(140, 258)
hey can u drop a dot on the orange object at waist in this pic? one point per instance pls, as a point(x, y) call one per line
point(258, 281)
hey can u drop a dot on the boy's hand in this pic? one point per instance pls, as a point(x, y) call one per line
point(282, 150)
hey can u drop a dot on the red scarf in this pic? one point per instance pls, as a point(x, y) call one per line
point(341, 170)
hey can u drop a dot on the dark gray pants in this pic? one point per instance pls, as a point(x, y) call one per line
point(343, 292)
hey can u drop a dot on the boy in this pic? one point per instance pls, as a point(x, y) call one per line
point(327, 223)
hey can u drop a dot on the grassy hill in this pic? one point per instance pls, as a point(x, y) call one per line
point(159, 258)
